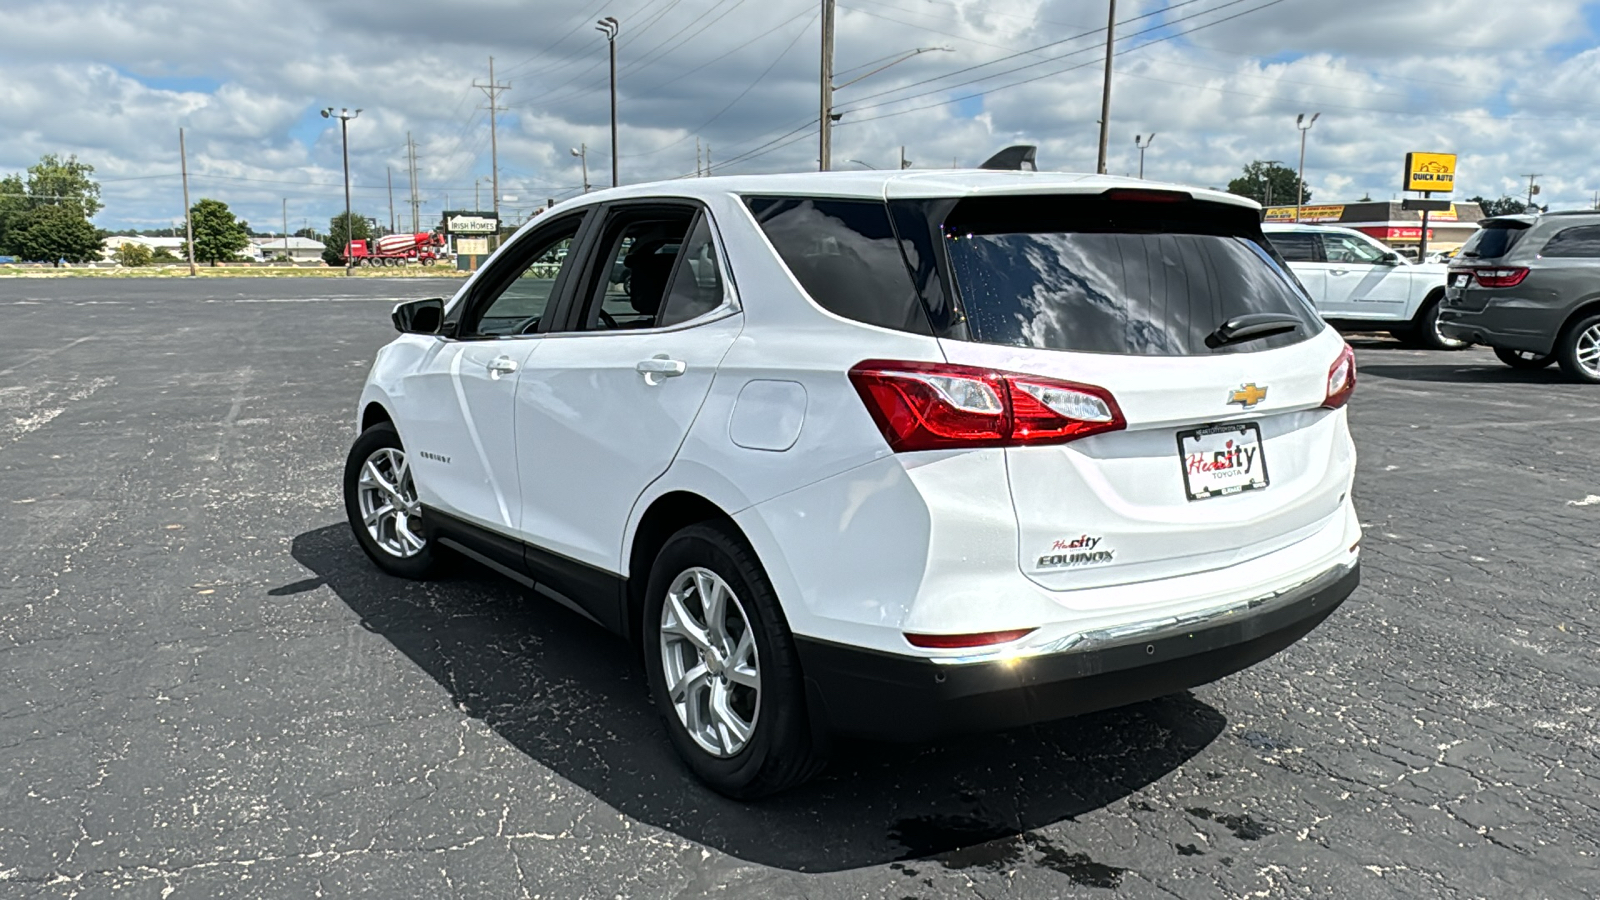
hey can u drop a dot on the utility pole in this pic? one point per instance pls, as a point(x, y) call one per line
point(609, 27)
point(1533, 189)
point(825, 120)
point(389, 170)
point(708, 160)
point(188, 221)
point(1304, 126)
point(582, 153)
point(492, 90)
point(411, 161)
point(344, 116)
point(904, 163)
point(1105, 95)
point(286, 227)
point(1142, 148)
point(699, 172)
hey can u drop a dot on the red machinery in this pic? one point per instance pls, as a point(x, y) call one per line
point(396, 250)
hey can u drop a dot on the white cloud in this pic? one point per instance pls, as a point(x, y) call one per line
point(1498, 83)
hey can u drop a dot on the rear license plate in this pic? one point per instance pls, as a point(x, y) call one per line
point(1460, 279)
point(1222, 460)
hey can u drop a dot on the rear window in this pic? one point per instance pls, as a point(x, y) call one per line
point(1096, 275)
point(1494, 240)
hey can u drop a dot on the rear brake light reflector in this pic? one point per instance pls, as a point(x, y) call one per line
point(932, 406)
point(963, 641)
point(1341, 379)
point(1500, 278)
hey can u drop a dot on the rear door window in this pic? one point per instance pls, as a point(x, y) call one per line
point(1135, 278)
point(1295, 246)
point(1582, 242)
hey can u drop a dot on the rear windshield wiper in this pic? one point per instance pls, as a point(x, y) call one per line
point(1251, 326)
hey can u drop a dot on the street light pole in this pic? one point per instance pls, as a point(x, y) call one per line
point(583, 156)
point(1142, 148)
point(1304, 126)
point(344, 116)
point(1105, 96)
point(828, 116)
point(609, 27)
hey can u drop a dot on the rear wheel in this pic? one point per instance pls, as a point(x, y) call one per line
point(380, 500)
point(1579, 350)
point(722, 666)
point(1424, 330)
point(1523, 359)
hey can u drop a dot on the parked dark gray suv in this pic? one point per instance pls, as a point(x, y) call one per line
point(1529, 287)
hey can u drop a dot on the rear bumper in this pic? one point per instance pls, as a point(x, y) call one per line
point(887, 696)
point(1505, 322)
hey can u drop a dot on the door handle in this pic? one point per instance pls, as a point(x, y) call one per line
point(1338, 271)
point(660, 366)
point(501, 365)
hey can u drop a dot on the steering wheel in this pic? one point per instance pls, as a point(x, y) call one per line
point(526, 325)
point(606, 318)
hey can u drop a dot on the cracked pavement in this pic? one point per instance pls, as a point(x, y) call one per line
point(205, 689)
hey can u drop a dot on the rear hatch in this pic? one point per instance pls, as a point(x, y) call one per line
point(1227, 451)
point(1480, 266)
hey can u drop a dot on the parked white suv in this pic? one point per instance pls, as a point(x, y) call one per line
point(1358, 284)
point(894, 455)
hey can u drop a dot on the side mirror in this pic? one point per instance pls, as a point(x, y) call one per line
point(419, 316)
point(1394, 259)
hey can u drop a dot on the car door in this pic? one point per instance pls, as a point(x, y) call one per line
point(460, 405)
point(1365, 279)
point(604, 405)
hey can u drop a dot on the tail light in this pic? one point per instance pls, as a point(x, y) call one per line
point(1500, 278)
point(932, 406)
point(1341, 379)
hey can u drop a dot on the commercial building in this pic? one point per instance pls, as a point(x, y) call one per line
point(1389, 223)
point(173, 245)
point(298, 249)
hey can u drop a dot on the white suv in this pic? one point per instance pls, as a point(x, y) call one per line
point(894, 455)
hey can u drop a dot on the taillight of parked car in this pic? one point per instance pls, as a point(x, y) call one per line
point(1500, 278)
point(933, 406)
point(1341, 379)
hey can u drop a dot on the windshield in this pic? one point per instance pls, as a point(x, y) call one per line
point(1494, 240)
point(1087, 274)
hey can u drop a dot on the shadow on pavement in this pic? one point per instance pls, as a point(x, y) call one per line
point(1489, 372)
point(572, 697)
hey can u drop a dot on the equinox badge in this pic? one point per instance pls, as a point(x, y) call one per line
point(1248, 395)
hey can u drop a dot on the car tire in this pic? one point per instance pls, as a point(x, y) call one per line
point(1423, 332)
point(1578, 350)
point(1522, 359)
point(380, 500)
point(741, 723)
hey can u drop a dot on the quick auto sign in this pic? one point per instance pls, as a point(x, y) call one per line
point(1430, 172)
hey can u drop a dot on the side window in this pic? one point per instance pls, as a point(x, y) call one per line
point(697, 286)
point(1295, 246)
point(846, 256)
point(634, 267)
point(1582, 242)
point(1346, 249)
point(522, 295)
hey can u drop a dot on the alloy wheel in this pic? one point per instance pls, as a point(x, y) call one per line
point(710, 663)
point(1587, 352)
point(389, 507)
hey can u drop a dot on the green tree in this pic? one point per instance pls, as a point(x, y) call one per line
point(1503, 206)
point(13, 203)
point(131, 254)
point(1263, 174)
point(218, 236)
point(53, 233)
point(163, 255)
point(65, 182)
point(333, 243)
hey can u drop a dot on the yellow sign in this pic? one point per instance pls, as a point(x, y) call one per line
point(1307, 213)
point(1430, 172)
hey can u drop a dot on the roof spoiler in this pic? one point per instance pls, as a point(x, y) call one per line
point(1013, 159)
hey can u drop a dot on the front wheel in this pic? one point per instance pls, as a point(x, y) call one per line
point(1424, 331)
point(380, 500)
point(722, 666)
point(1579, 351)
point(1523, 359)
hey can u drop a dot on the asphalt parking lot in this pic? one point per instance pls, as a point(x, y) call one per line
point(206, 690)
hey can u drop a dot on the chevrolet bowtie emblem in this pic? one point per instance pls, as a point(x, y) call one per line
point(1248, 395)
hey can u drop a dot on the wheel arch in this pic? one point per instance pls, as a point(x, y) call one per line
point(666, 515)
point(374, 413)
point(1583, 311)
